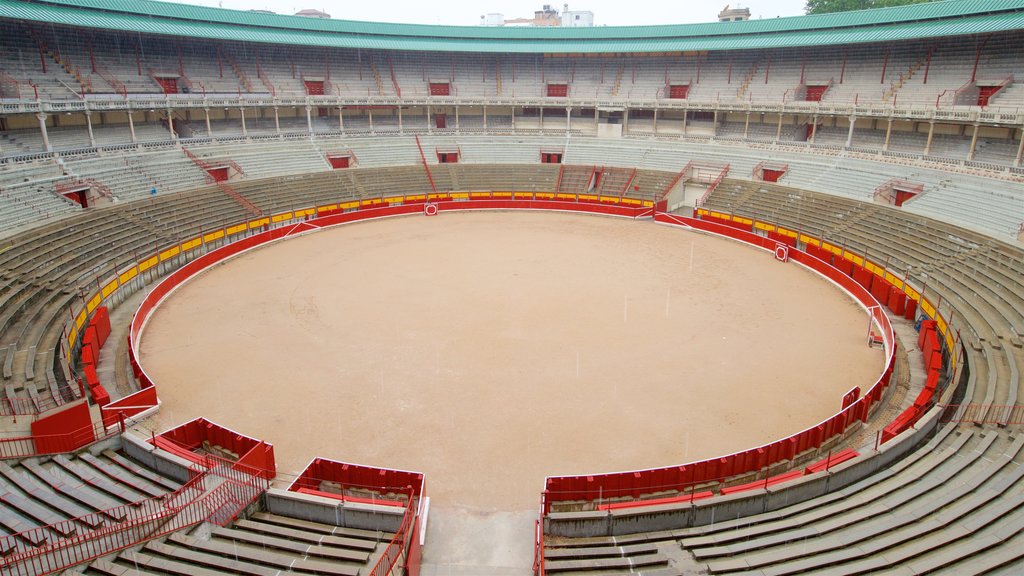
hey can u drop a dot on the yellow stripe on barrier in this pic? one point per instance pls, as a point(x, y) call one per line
point(527, 195)
point(940, 323)
point(437, 196)
point(459, 195)
point(927, 308)
point(150, 262)
point(416, 197)
point(630, 201)
point(281, 217)
point(762, 226)
point(479, 194)
point(545, 195)
point(580, 196)
point(394, 199)
point(348, 205)
point(326, 208)
point(306, 212)
point(213, 236)
point(786, 232)
point(809, 240)
point(234, 230)
point(172, 252)
point(565, 196)
point(894, 280)
point(742, 220)
point(80, 319)
point(258, 222)
point(911, 293)
point(72, 336)
point(109, 289)
point(127, 276)
point(191, 244)
point(501, 194)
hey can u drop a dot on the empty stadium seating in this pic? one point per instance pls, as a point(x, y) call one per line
point(163, 109)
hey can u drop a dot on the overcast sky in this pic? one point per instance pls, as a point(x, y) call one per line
point(468, 12)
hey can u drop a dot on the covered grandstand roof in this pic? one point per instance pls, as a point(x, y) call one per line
point(935, 19)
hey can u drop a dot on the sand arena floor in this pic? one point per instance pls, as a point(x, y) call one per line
point(489, 350)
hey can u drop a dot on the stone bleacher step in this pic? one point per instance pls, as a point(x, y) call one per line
point(300, 548)
point(260, 556)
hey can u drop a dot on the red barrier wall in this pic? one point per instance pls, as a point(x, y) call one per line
point(632, 484)
point(252, 453)
point(63, 430)
point(384, 480)
point(129, 406)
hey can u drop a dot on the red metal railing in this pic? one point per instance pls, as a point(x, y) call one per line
point(111, 79)
point(711, 187)
point(398, 545)
point(141, 522)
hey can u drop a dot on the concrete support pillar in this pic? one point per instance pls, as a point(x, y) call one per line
point(428, 120)
point(369, 116)
point(245, 131)
point(542, 118)
point(456, 118)
point(625, 121)
point(655, 120)
point(778, 130)
point(513, 118)
point(209, 130)
point(568, 119)
point(746, 126)
point(88, 125)
point(170, 124)
point(597, 118)
point(714, 125)
point(849, 133)
point(931, 134)
point(974, 144)
point(42, 130)
point(131, 127)
point(888, 135)
point(814, 128)
point(309, 121)
point(400, 128)
point(341, 119)
point(686, 115)
point(1020, 149)
point(485, 118)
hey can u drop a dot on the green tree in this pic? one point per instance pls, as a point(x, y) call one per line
point(826, 6)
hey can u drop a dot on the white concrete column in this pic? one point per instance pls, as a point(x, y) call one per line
point(42, 130)
point(513, 118)
point(485, 118)
point(778, 130)
point(568, 119)
point(974, 144)
point(655, 120)
point(888, 135)
point(88, 125)
point(931, 134)
point(400, 128)
point(309, 120)
point(170, 124)
point(456, 118)
point(849, 134)
point(746, 126)
point(369, 114)
point(245, 132)
point(814, 128)
point(209, 129)
point(341, 119)
point(131, 126)
point(1020, 149)
point(428, 119)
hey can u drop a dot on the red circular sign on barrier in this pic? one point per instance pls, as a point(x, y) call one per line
point(782, 253)
point(430, 209)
